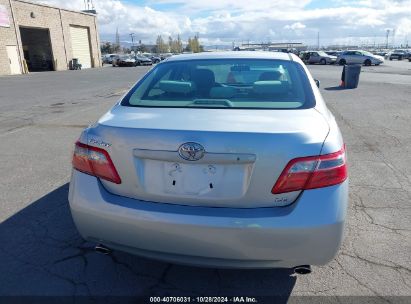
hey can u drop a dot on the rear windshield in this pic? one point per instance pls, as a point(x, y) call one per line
point(224, 83)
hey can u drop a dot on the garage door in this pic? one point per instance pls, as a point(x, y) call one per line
point(80, 44)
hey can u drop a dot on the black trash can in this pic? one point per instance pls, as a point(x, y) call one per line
point(74, 64)
point(351, 76)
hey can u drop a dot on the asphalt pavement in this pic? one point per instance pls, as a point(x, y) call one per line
point(41, 253)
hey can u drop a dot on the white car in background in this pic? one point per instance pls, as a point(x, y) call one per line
point(320, 57)
point(359, 57)
point(108, 58)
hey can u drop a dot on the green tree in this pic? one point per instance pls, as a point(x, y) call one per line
point(141, 48)
point(154, 49)
point(109, 48)
point(189, 45)
point(160, 45)
point(170, 44)
point(105, 48)
point(179, 44)
point(193, 45)
point(115, 48)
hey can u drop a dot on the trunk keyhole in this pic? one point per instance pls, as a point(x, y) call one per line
point(174, 182)
point(211, 185)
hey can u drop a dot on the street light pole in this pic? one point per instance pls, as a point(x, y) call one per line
point(386, 41)
point(132, 39)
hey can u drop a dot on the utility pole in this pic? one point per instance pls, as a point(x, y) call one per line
point(132, 40)
point(88, 5)
point(318, 40)
point(117, 38)
point(386, 38)
point(393, 38)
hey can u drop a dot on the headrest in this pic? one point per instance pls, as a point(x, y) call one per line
point(275, 87)
point(172, 86)
point(272, 75)
point(203, 76)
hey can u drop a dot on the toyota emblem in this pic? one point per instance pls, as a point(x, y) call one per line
point(191, 151)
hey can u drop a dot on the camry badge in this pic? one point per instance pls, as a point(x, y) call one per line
point(99, 142)
point(191, 151)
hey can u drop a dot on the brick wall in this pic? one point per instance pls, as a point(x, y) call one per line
point(71, 18)
point(58, 22)
point(47, 18)
point(7, 37)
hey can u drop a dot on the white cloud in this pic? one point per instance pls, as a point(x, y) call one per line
point(295, 26)
point(225, 21)
point(404, 27)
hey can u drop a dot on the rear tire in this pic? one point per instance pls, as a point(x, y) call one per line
point(323, 61)
point(342, 62)
point(367, 62)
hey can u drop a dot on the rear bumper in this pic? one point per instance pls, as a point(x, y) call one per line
point(307, 232)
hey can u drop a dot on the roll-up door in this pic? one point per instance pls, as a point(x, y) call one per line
point(80, 44)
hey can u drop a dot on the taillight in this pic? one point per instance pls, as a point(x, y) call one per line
point(312, 172)
point(94, 161)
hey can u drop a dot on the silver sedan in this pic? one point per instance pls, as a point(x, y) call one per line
point(216, 159)
point(359, 57)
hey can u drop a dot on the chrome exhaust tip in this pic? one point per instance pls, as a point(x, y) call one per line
point(100, 248)
point(302, 269)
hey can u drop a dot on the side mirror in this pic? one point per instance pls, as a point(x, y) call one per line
point(317, 82)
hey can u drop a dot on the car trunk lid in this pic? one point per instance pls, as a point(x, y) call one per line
point(245, 153)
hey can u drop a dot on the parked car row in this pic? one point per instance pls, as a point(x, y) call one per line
point(399, 55)
point(131, 59)
point(354, 56)
point(341, 57)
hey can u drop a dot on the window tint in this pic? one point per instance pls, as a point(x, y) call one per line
point(224, 83)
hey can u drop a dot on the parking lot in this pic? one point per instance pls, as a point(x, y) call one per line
point(41, 116)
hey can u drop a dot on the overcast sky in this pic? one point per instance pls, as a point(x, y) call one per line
point(225, 21)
